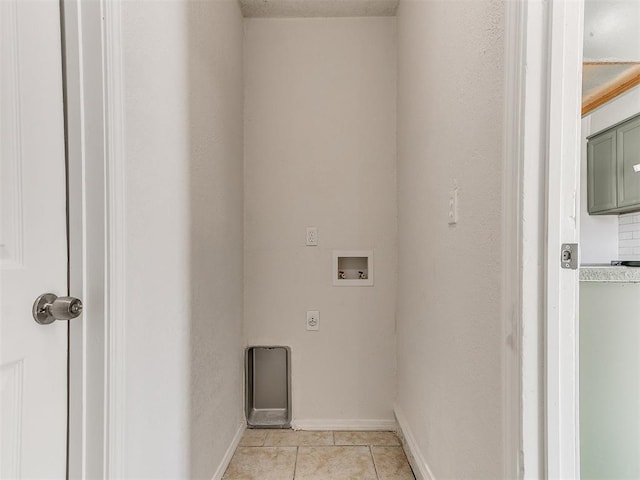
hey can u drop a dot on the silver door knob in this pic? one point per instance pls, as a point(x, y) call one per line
point(49, 307)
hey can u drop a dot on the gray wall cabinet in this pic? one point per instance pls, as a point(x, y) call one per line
point(613, 184)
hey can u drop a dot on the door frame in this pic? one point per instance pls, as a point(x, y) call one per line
point(562, 438)
point(542, 126)
point(116, 221)
point(95, 111)
point(542, 139)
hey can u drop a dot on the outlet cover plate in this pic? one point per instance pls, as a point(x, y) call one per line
point(312, 236)
point(313, 320)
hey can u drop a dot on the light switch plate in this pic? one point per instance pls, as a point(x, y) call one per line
point(453, 206)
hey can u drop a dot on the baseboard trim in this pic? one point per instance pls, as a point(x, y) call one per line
point(229, 453)
point(417, 461)
point(340, 424)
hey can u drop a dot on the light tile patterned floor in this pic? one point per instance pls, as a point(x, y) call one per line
point(303, 455)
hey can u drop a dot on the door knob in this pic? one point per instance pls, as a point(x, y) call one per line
point(49, 307)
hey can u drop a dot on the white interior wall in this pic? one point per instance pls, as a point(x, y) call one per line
point(320, 110)
point(450, 124)
point(184, 203)
point(599, 233)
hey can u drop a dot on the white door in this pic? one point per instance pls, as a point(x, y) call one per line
point(33, 249)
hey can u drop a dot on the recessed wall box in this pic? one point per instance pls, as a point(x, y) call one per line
point(352, 268)
point(268, 387)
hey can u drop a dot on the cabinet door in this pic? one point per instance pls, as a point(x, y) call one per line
point(629, 157)
point(601, 172)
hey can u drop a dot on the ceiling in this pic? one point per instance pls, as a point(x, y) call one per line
point(611, 50)
point(318, 8)
point(612, 31)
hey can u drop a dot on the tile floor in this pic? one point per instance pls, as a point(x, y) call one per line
point(304, 455)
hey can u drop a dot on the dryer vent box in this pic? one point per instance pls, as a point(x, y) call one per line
point(268, 387)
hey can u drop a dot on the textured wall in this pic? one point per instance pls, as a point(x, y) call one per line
point(320, 109)
point(450, 121)
point(183, 79)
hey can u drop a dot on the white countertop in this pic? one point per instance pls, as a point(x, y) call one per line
point(607, 273)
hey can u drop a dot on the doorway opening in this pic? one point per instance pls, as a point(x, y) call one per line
point(608, 335)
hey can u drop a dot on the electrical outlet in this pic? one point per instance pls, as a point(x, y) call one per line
point(453, 206)
point(313, 320)
point(312, 236)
